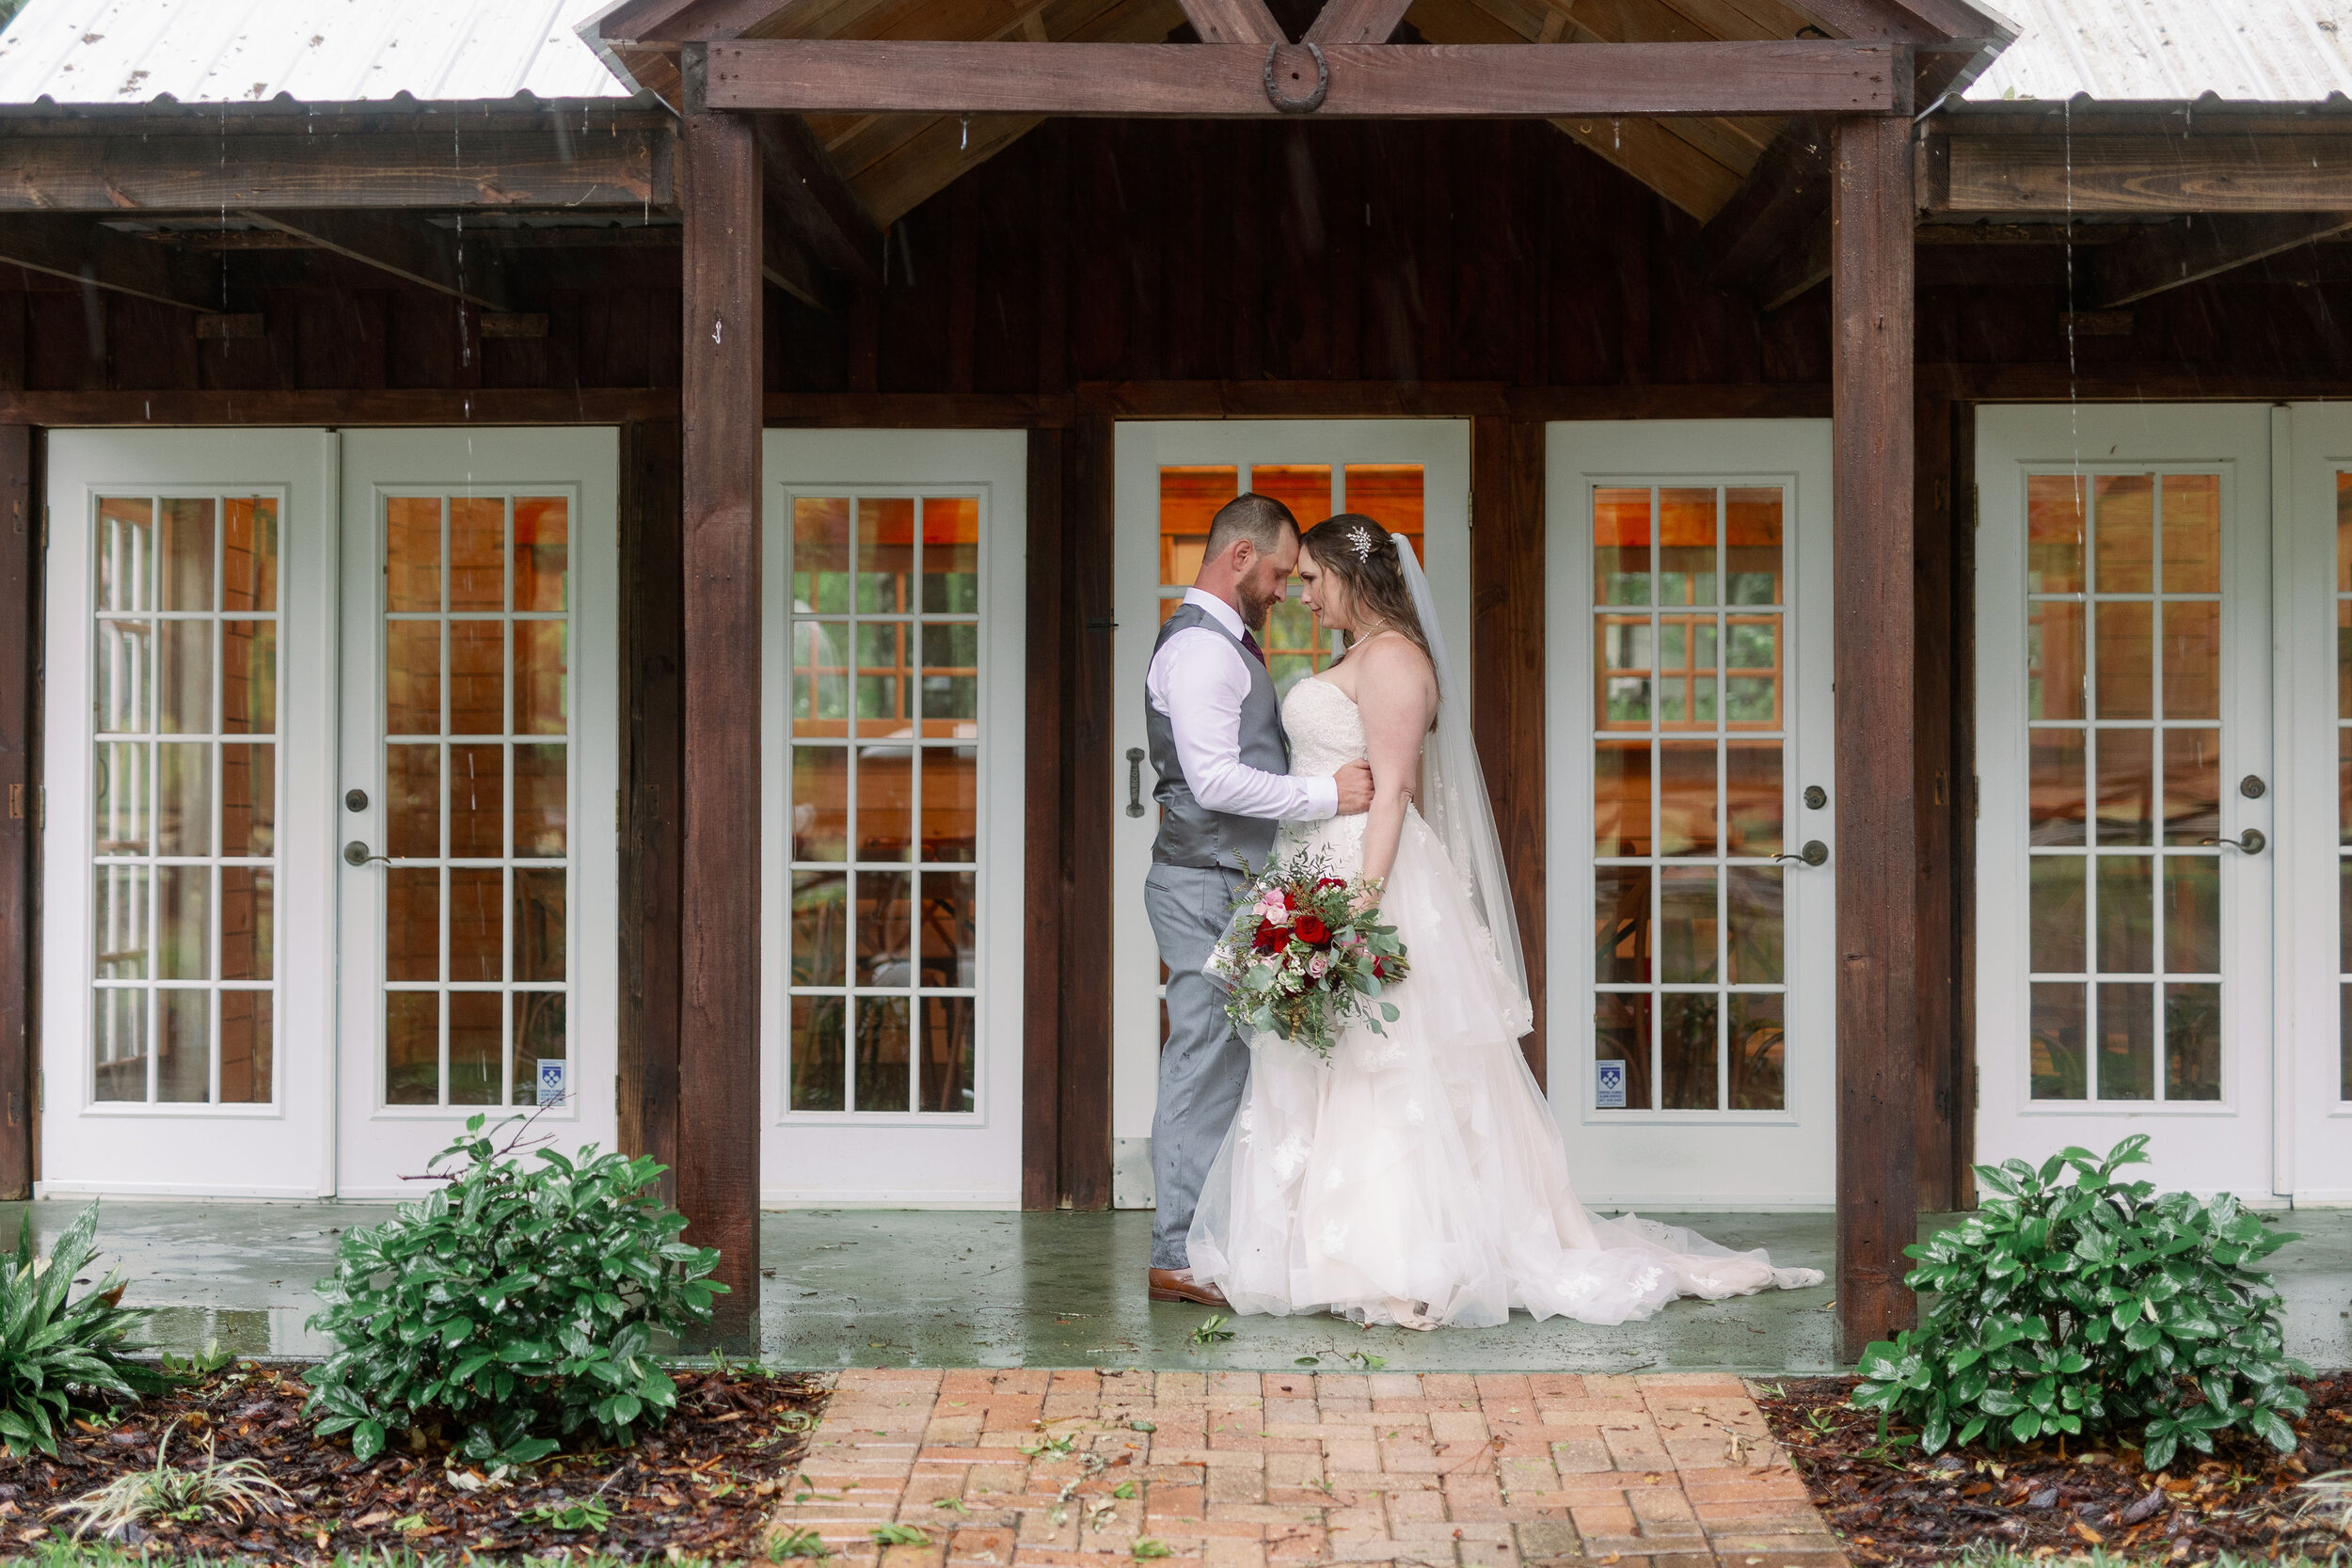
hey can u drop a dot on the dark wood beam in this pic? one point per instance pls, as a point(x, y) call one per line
point(2196, 247)
point(1921, 21)
point(785, 263)
point(65, 245)
point(121, 173)
point(404, 244)
point(1801, 267)
point(1234, 22)
point(1367, 81)
point(806, 192)
point(1875, 861)
point(1357, 21)
point(1783, 194)
point(719, 903)
point(1044, 808)
point(2219, 170)
point(20, 666)
point(674, 21)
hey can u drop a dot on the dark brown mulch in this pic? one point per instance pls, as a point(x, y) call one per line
point(703, 1484)
point(1894, 1507)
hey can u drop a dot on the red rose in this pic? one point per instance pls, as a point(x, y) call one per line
point(1312, 931)
point(1270, 937)
point(1379, 969)
point(1289, 900)
point(1322, 882)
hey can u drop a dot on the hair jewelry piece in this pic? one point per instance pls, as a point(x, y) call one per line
point(1363, 544)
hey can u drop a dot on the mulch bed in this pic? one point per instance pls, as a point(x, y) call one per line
point(2034, 1498)
point(703, 1485)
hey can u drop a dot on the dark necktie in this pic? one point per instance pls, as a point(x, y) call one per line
point(1250, 645)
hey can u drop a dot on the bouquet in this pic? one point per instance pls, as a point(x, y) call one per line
point(1301, 961)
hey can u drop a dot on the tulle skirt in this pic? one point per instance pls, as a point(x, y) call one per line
point(1422, 1166)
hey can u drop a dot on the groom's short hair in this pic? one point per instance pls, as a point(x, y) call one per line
point(1261, 519)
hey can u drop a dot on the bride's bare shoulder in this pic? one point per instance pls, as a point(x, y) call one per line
point(1394, 666)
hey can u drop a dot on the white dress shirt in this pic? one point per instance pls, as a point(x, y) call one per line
point(1199, 680)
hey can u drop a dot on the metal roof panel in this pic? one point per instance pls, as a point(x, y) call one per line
point(2249, 51)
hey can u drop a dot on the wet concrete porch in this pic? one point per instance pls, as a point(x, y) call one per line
point(879, 1287)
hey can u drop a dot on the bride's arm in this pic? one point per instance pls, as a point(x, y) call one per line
point(1397, 692)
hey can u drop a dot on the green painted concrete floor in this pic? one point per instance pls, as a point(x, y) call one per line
point(870, 1288)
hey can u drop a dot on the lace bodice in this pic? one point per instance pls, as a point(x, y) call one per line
point(1325, 729)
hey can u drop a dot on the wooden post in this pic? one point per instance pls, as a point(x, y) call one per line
point(653, 755)
point(1042, 812)
point(718, 896)
point(20, 556)
point(1877, 858)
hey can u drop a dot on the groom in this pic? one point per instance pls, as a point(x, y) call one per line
point(1216, 730)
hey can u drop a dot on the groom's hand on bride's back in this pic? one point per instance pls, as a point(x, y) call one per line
point(1355, 781)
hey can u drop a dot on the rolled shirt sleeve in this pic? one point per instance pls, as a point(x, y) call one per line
point(1199, 680)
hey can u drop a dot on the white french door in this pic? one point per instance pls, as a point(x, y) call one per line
point(894, 567)
point(2126, 837)
point(478, 863)
point(325, 714)
point(1410, 475)
point(1693, 895)
point(188, 970)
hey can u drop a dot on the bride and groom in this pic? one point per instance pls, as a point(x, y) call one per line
point(1418, 1178)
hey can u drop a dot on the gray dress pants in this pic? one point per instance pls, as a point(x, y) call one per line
point(1205, 1063)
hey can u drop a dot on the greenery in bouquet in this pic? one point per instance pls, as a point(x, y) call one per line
point(1306, 956)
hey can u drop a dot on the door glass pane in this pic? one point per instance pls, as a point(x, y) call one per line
point(184, 801)
point(2125, 947)
point(477, 799)
point(889, 654)
point(1690, 796)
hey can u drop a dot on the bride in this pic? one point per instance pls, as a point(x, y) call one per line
point(1419, 1178)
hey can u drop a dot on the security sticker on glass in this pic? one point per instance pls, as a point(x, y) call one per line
point(1608, 1082)
point(551, 1081)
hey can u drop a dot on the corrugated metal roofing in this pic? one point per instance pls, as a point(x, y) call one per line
point(2254, 51)
point(315, 50)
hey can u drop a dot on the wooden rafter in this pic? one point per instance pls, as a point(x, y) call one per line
point(1964, 168)
point(2191, 250)
point(808, 193)
point(85, 250)
point(1357, 21)
point(400, 244)
point(1365, 81)
point(1234, 22)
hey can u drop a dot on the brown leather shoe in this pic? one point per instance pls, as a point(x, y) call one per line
point(1178, 1285)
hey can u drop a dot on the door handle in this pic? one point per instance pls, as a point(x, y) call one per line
point(1815, 853)
point(356, 853)
point(2252, 841)
point(1134, 781)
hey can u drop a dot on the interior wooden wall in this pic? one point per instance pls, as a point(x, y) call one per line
point(1105, 269)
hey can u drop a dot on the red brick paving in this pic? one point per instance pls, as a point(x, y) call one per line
point(1027, 1469)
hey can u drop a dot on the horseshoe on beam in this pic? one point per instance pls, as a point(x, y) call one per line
point(1313, 101)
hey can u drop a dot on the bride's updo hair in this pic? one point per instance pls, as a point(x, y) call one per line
point(1362, 555)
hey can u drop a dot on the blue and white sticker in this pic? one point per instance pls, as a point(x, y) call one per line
point(1608, 1085)
point(551, 1079)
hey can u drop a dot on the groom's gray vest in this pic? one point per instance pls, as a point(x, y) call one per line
point(1190, 834)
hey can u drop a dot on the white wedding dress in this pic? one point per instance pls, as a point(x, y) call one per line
point(1422, 1166)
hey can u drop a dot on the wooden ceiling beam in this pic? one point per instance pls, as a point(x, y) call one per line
point(1234, 22)
point(806, 190)
point(120, 173)
point(86, 251)
point(2216, 171)
point(1365, 81)
point(1357, 21)
point(400, 244)
point(2197, 247)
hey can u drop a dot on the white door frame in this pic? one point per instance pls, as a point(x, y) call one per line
point(378, 1143)
point(2312, 444)
point(2192, 1142)
point(1142, 449)
point(907, 1159)
point(1719, 1160)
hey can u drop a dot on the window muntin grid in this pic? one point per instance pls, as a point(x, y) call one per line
point(884, 628)
point(185, 783)
point(477, 724)
point(1296, 645)
point(2124, 729)
point(1690, 639)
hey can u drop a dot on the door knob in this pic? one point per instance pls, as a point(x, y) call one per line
point(2252, 841)
point(356, 853)
point(1815, 853)
point(1134, 781)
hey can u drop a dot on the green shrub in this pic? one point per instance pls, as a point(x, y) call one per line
point(516, 1304)
point(57, 1359)
point(2085, 1307)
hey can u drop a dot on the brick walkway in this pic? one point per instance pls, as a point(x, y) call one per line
point(1074, 1469)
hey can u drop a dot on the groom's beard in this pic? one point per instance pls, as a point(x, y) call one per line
point(1253, 610)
